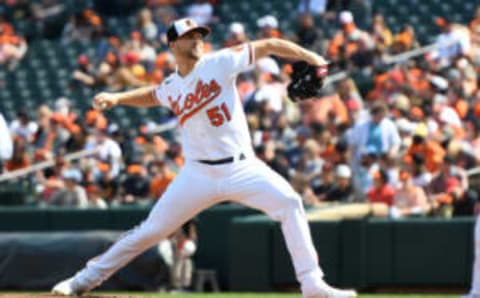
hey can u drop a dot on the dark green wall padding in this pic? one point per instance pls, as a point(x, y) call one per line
point(249, 254)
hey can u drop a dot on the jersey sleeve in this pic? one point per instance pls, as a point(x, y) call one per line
point(160, 93)
point(235, 59)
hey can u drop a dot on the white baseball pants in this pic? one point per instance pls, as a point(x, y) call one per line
point(198, 186)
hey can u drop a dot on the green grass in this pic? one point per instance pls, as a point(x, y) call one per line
point(241, 295)
point(281, 295)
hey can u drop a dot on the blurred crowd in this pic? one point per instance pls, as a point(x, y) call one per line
point(404, 136)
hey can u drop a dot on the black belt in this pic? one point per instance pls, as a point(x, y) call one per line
point(221, 161)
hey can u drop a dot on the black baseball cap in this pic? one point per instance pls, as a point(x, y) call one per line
point(183, 26)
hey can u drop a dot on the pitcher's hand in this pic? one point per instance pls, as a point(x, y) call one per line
point(105, 101)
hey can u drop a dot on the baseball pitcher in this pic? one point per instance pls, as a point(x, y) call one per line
point(220, 162)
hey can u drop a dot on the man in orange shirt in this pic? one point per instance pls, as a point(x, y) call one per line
point(431, 150)
point(162, 176)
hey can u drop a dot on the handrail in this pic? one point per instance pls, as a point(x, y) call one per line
point(46, 164)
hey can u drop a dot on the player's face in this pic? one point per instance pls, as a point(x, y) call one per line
point(190, 45)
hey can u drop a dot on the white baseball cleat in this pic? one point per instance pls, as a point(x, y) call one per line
point(66, 288)
point(326, 291)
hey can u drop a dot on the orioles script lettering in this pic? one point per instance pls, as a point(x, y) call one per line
point(204, 93)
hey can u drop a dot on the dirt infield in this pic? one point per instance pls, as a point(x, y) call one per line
point(57, 296)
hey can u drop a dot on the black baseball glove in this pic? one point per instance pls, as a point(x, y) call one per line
point(307, 81)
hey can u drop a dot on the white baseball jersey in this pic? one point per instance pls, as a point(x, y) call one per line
point(212, 121)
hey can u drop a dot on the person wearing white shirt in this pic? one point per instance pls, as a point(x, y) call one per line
point(109, 151)
point(6, 145)
point(201, 12)
point(454, 41)
point(23, 127)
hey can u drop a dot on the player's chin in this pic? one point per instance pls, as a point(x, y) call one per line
point(195, 54)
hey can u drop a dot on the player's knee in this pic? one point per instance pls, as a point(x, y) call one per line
point(289, 205)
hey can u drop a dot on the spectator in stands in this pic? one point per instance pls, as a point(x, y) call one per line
point(184, 241)
point(12, 49)
point(474, 27)
point(73, 195)
point(429, 149)
point(136, 185)
point(84, 74)
point(108, 186)
point(23, 127)
point(317, 7)
point(345, 42)
point(274, 158)
point(452, 42)
point(409, 200)
point(381, 34)
point(350, 96)
point(162, 176)
point(20, 158)
point(270, 88)
point(127, 72)
point(108, 151)
point(83, 27)
point(405, 40)
point(163, 14)
point(420, 175)
point(342, 190)
point(379, 134)
point(6, 145)
point(201, 11)
point(382, 191)
point(236, 35)
point(268, 27)
point(308, 35)
point(326, 182)
point(95, 199)
point(449, 185)
point(142, 48)
point(146, 25)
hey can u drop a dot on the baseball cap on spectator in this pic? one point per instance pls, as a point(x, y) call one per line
point(346, 17)
point(237, 28)
point(73, 175)
point(83, 60)
point(438, 82)
point(269, 65)
point(183, 26)
point(343, 171)
point(401, 102)
point(267, 21)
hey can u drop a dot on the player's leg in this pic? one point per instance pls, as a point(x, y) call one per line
point(188, 194)
point(265, 190)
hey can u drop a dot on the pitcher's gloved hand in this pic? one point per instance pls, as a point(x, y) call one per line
point(307, 81)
